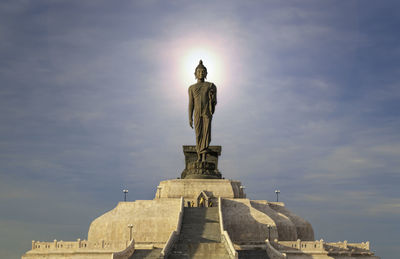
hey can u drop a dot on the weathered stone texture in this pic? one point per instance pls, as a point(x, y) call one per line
point(191, 188)
point(247, 221)
point(207, 169)
point(286, 228)
point(68, 255)
point(246, 224)
point(153, 221)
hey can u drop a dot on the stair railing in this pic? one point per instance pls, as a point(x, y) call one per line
point(174, 234)
point(226, 240)
point(272, 252)
point(126, 253)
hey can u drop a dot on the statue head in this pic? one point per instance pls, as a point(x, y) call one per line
point(201, 71)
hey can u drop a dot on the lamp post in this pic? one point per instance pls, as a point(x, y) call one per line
point(242, 187)
point(130, 226)
point(277, 195)
point(159, 191)
point(125, 191)
point(269, 232)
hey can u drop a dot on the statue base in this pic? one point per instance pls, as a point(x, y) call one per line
point(204, 169)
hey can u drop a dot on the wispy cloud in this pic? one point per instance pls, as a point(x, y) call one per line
point(94, 104)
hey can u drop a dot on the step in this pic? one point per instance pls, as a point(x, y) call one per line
point(146, 253)
point(200, 236)
point(200, 250)
point(253, 254)
point(200, 225)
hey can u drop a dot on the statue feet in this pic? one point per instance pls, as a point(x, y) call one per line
point(202, 157)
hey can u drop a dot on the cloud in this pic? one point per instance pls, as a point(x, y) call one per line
point(389, 208)
point(94, 104)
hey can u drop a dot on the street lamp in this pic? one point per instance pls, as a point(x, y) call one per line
point(159, 191)
point(277, 195)
point(130, 226)
point(125, 191)
point(242, 187)
point(269, 232)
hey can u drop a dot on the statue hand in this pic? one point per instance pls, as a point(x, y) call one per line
point(191, 124)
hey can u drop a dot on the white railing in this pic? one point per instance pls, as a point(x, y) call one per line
point(321, 247)
point(78, 245)
point(126, 253)
point(272, 252)
point(174, 234)
point(221, 219)
point(229, 245)
point(224, 234)
point(180, 218)
point(301, 245)
point(170, 244)
point(346, 245)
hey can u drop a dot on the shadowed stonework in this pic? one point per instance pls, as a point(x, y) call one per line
point(207, 169)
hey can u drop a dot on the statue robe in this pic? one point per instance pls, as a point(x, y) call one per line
point(202, 101)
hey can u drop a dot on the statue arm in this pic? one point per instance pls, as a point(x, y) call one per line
point(191, 107)
point(213, 97)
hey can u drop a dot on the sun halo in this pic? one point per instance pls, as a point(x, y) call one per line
point(190, 61)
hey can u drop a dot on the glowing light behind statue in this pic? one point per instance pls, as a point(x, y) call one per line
point(210, 57)
point(219, 55)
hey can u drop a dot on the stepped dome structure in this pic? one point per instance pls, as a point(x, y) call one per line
point(199, 218)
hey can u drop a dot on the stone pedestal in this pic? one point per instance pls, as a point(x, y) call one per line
point(191, 188)
point(201, 170)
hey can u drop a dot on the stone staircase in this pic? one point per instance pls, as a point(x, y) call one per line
point(146, 254)
point(253, 254)
point(200, 235)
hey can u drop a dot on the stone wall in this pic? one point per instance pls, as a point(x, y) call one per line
point(322, 250)
point(68, 255)
point(191, 188)
point(153, 221)
point(74, 249)
point(247, 221)
point(225, 238)
point(245, 224)
point(174, 234)
point(286, 228)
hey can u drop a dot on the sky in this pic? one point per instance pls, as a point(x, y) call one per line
point(93, 100)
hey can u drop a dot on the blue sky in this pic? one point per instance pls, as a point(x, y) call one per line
point(93, 100)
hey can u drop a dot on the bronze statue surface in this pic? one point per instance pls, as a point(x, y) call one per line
point(202, 101)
